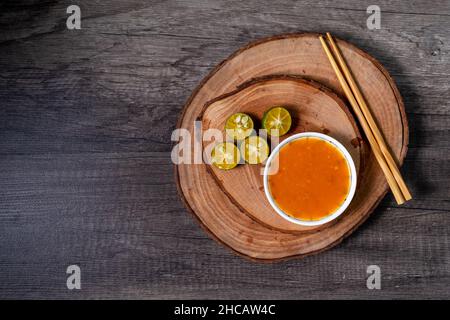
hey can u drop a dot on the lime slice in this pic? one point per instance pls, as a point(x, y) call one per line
point(225, 156)
point(239, 126)
point(254, 150)
point(278, 119)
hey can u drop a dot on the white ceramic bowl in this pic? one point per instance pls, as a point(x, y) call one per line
point(351, 166)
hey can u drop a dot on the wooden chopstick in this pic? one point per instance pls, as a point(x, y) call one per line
point(372, 141)
point(368, 115)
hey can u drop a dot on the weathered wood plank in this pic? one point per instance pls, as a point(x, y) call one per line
point(85, 124)
point(133, 238)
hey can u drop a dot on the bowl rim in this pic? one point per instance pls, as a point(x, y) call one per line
point(353, 178)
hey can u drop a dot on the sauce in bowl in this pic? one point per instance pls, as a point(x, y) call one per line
point(312, 179)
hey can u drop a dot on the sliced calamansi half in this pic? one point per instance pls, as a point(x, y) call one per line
point(239, 126)
point(254, 149)
point(277, 121)
point(225, 156)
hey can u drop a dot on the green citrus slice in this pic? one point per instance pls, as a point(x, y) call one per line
point(277, 121)
point(254, 150)
point(225, 156)
point(239, 126)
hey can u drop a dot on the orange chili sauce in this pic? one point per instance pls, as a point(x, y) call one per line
point(312, 181)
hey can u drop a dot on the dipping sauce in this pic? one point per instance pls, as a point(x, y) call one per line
point(312, 181)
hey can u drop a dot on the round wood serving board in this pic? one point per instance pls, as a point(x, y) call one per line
point(300, 55)
point(312, 107)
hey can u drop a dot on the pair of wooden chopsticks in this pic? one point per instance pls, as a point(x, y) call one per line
point(359, 105)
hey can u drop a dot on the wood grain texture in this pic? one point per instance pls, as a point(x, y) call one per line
point(312, 106)
point(301, 55)
point(86, 177)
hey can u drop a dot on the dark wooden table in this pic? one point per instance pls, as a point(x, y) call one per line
point(85, 174)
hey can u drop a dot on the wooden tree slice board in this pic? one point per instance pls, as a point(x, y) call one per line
point(292, 54)
point(312, 107)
